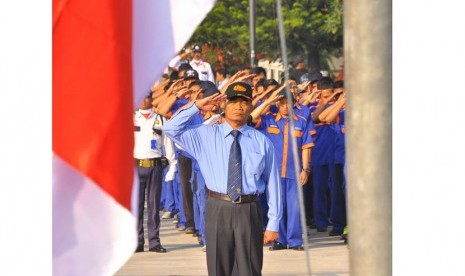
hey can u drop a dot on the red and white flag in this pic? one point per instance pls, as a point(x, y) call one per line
point(106, 56)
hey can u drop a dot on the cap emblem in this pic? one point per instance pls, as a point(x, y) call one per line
point(239, 88)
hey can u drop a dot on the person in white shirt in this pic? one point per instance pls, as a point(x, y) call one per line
point(150, 145)
point(179, 59)
point(203, 68)
point(221, 77)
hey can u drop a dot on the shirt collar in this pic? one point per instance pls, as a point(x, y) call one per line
point(245, 129)
point(141, 114)
point(279, 117)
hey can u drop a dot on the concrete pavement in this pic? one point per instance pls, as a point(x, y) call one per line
point(329, 256)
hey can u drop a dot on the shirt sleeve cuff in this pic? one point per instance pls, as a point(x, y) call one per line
point(273, 225)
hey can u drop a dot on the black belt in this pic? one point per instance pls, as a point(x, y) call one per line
point(240, 200)
point(148, 163)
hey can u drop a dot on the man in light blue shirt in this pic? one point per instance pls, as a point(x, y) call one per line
point(233, 216)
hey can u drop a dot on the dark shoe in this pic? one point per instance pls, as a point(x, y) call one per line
point(190, 230)
point(297, 248)
point(311, 224)
point(335, 233)
point(158, 249)
point(277, 246)
point(321, 229)
point(140, 248)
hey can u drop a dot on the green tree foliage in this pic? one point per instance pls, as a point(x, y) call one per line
point(313, 30)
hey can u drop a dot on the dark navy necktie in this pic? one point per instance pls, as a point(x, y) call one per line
point(235, 168)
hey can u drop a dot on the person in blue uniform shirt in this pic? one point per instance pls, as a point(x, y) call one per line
point(323, 165)
point(278, 130)
point(238, 164)
point(201, 90)
point(169, 106)
point(335, 115)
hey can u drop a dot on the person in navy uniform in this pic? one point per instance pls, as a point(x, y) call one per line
point(238, 163)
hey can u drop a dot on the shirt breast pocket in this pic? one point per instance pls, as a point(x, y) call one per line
point(255, 164)
point(273, 130)
point(298, 133)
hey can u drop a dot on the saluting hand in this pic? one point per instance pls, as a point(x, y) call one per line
point(175, 87)
point(182, 92)
point(208, 103)
point(245, 77)
point(234, 77)
point(159, 85)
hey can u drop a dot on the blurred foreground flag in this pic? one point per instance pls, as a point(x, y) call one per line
point(106, 56)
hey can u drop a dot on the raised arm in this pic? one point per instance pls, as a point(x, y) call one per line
point(330, 114)
point(257, 112)
point(177, 127)
point(239, 76)
point(167, 101)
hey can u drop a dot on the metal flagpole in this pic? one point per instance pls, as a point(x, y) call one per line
point(252, 32)
point(297, 167)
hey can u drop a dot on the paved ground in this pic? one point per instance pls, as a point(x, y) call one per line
point(328, 257)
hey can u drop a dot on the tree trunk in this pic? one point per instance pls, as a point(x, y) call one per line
point(313, 59)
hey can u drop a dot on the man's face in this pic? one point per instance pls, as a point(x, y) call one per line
point(259, 90)
point(219, 77)
point(282, 107)
point(302, 96)
point(196, 55)
point(313, 87)
point(238, 109)
point(339, 90)
point(272, 87)
point(256, 79)
point(146, 104)
point(325, 94)
point(294, 89)
point(197, 93)
point(181, 74)
point(188, 82)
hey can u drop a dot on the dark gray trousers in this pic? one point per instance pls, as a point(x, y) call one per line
point(185, 174)
point(150, 183)
point(234, 236)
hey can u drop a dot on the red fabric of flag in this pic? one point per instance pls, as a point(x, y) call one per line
point(92, 92)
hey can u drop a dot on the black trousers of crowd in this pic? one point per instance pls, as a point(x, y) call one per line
point(308, 200)
point(150, 182)
point(234, 237)
point(185, 173)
